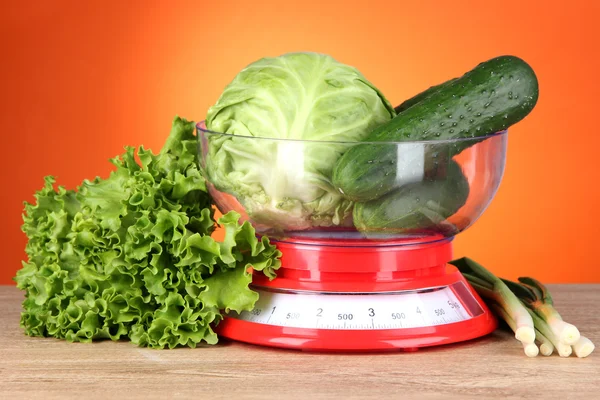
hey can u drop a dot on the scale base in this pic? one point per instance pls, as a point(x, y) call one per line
point(479, 322)
point(362, 296)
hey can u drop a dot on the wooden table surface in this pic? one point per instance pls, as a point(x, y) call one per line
point(493, 367)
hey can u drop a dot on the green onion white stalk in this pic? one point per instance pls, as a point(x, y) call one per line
point(583, 347)
point(546, 346)
point(530, 349)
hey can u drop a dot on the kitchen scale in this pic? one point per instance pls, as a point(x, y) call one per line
point(338, 290)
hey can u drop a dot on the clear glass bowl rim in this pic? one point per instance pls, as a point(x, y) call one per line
point(201, 126)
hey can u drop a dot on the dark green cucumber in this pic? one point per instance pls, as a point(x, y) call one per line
point(420, 96)
point(416, 207)
point(493, 96)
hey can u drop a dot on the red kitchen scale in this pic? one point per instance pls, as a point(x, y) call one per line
point(349, 296)
point(339, 289)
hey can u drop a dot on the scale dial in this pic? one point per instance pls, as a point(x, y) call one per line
point(361, 311)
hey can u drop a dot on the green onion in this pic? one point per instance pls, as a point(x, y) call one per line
point(531, 350)
point(583, 347)
point(528, 309)
point(543, 305)
point(546, 346)
point(563, 349)
point(496, 290)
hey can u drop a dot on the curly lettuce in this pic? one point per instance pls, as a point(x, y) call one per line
point(314, 104)
point(132, 256)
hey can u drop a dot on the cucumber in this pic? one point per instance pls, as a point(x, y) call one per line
point(493, 96)
point(416, 207)
point(418, 97)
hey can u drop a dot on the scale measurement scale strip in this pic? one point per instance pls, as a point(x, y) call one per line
point(356, 311)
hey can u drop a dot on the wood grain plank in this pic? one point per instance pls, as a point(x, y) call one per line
point(493, 367)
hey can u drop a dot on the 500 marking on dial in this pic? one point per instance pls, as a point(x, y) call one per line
point(356, 311)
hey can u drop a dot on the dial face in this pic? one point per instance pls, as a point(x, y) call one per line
point(362, 311)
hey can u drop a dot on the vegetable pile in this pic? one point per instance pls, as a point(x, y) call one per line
point(528, 309)
point(338, 155)
point(131, 256)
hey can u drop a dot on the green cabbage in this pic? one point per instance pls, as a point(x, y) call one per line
point(131, 256)
point(285, 184)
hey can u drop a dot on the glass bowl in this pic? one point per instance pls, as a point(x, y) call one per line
point(417, 190)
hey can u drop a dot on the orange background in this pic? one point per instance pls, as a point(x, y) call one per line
point(82, 79)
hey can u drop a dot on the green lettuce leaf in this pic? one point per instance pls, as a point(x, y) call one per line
point(132, 256)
